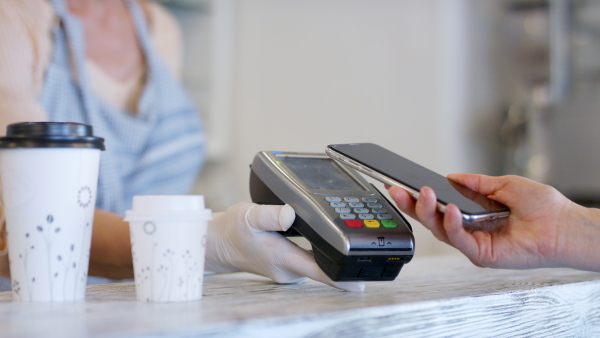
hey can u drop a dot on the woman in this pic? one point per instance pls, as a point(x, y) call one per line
point(114, 64)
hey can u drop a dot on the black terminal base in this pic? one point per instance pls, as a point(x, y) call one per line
point(339, 267)
point(360, 268)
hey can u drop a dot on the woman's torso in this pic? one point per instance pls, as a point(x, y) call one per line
point(157, 149)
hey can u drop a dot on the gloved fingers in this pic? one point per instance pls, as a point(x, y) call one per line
point(303, 263)
point(270, 217)
point(287, 277)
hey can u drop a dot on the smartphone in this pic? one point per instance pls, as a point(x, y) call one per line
point(393, 169)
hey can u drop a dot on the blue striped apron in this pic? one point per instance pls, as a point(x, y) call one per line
point(157, 151)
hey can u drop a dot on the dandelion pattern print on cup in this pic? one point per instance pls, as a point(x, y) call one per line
point(167, 273)
point(53, 258)
point(84, 196)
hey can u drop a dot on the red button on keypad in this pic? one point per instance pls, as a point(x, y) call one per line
point(354, 223)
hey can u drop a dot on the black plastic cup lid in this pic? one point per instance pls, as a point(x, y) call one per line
point(50, 135)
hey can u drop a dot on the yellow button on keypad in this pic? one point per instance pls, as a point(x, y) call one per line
point(371, 223)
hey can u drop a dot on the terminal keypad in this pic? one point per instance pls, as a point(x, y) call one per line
point(361, 212)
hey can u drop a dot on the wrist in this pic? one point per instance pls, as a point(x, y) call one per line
point(581, 232)
point(4, 263)
point(217, 256)
point(110, 252)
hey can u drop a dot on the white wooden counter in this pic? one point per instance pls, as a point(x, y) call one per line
point(433, 296)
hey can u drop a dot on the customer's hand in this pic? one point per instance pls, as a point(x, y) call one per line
point(244, 238)
point(544, 229)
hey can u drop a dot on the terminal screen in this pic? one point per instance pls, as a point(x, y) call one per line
point(320, 174)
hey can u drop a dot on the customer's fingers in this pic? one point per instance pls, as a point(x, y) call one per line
point(404, 201)
point(458, 236)
point(427, 214)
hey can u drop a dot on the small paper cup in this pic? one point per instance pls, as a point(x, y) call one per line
point(168, 243)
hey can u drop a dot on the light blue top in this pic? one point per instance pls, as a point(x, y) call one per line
point(157, 151)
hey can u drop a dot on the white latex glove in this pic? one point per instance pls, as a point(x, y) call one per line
point(244, 238)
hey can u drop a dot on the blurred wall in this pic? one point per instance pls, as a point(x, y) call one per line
point(417, 77)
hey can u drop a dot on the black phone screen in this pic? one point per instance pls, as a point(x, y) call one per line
point(416, 176)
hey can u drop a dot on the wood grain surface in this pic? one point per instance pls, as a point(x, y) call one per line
point(432, 297)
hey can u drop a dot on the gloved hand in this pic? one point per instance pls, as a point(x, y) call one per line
point(244, 238)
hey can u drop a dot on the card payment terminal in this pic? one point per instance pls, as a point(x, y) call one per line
point(356, 233)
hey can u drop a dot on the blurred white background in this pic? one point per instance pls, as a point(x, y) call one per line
point(413, 76)
point(431, 80)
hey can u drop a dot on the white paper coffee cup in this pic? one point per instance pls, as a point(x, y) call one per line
point(49, 174)
point(168, 243)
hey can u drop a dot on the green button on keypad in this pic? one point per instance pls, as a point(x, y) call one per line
point(389, 223)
